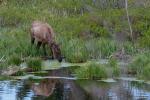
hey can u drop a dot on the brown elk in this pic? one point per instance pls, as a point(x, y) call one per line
point(43, 34)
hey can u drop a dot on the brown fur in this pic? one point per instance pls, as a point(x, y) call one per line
point(44, 34)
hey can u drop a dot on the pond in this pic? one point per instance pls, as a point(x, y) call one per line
point(63, 89)
point(59, 84)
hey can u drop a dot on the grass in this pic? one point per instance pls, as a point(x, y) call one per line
point(113, 65)
point(83, 30)
point(35, 64)
point(91, 71)
point(19, 73)
point(6, 78)
point(139, 62)
point(140, 65)
point(146, 72)
point(112, 62)
point(3, 65)
point(100, 48)
point(75, 51)
point(14, 60)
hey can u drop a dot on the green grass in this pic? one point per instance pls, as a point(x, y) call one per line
point(140, 65)
point(146, 72)
point(113, 65)
point(112, 62)
point(14, 60)
point(2, 78)
point(75, 51)
point(84, 31)
point(139, 62)
point(35, 64)
point(91, 71)
point(19, 73)
point(3, 65)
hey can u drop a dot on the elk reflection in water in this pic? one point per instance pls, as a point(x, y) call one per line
point(61, 89)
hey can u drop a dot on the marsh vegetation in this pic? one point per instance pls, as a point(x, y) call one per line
point(85, 30)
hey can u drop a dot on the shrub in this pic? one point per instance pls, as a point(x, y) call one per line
point(91, 71)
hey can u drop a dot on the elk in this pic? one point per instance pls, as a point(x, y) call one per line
point(44, 35)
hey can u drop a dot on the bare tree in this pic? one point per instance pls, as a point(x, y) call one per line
point(130, 26)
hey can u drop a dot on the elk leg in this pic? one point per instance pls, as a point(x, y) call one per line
point(39, 45)
point(52, 53)
point(44, 48)
point(32, 40)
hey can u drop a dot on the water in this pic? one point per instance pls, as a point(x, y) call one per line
point(65, 87)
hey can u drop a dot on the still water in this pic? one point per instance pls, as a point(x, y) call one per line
point(71, 89)
point(61, 89)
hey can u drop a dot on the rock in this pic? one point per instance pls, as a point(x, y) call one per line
point(10, 70)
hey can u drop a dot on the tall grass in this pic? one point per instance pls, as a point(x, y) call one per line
point(113, 65)
point(91, 71)
point(101, 48)
point(140, 65)
point(14, 60)
point(75, 51)
point(69, 19)
point(35, 64)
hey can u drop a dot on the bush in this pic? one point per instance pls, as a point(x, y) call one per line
point(35, 64)
point(91, 71)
